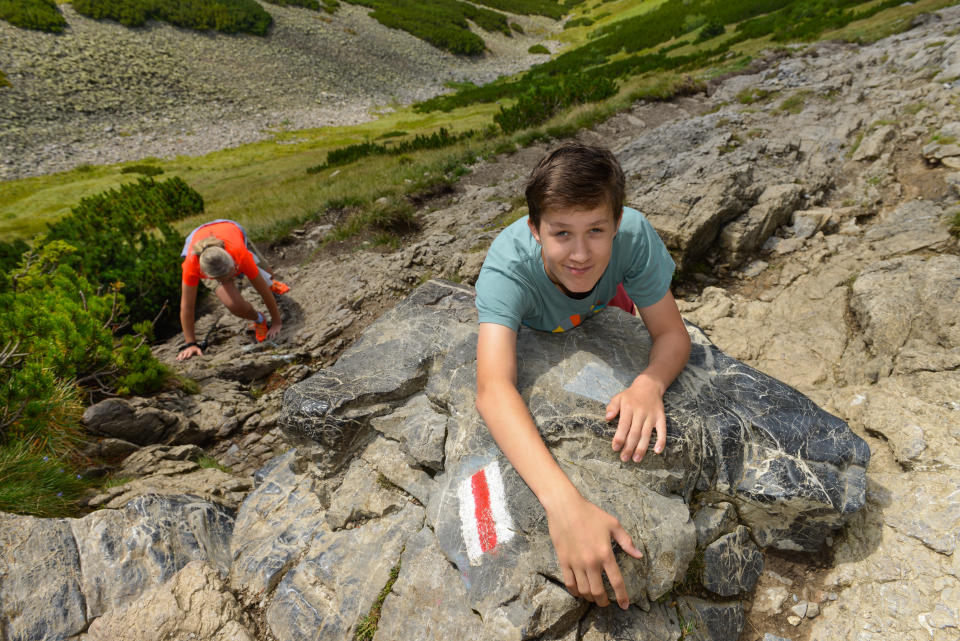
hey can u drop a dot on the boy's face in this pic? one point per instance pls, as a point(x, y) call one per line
point(576, 246)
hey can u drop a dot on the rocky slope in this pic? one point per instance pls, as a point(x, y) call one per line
point(817, 250)
point(102, 93)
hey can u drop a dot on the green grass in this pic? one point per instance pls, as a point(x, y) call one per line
point(208, 462)
point(754, 94)
point(38, 484)
point(795, 103)
point(538, 49)
point(955, 223)
point(367, 626)
point(3, 80)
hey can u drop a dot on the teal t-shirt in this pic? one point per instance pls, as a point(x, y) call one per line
point(514, 288)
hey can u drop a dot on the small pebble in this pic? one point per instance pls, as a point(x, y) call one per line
point(793, 620)
point(812, 610)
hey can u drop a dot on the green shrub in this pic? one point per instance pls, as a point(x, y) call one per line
point(578, 22)
point(58, 326)
point(127, 238)
point(10, 253)
point(351, 153)
point(542, 102)
point(146, 170)
point(442, 23)
point(227, 16)
point(42, 15)
point(538, 49)
point(514, 26)
point(3, 80)
point(306, 4)
point(711, 30)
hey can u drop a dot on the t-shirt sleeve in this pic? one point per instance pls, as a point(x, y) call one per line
point(191, 271)
point(247, 265)
point(650, 270)
point(500, 299)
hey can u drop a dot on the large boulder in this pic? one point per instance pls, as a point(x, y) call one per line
point(793, 472)
point(57, 575)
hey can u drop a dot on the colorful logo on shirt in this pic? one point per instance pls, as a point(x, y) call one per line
point(571, 322)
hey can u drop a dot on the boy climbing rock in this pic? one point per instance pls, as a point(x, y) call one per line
point(578, 251)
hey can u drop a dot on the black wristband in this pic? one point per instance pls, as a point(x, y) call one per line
point(190, 345)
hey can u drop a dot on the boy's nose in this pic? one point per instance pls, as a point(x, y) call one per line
point(580, 252)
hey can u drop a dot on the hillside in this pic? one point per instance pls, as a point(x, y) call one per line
point(104, 93)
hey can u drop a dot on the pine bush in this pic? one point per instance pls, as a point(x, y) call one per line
point(227, 16)
point(42, 15)
point(128, 241)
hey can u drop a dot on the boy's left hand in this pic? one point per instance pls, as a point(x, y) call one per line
point(640, 407)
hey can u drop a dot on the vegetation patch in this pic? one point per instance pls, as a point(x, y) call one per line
point(346, 155)
point(538, 49)
point(128, 242)
point(543, 101)
point(208, 462)
point(442, 23)
point(754, 94)
point(955, 223)
point(146, 170)
point(3, 80)
point(367, 626)
point(795, 103)
point(42, 15)
point(227, 16)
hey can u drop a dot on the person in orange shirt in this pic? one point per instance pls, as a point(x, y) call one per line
point(216, 253)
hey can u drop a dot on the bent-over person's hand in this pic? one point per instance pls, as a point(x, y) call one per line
point(581, 534)
point(189, 352)
point(274, 330)
point(640, 407)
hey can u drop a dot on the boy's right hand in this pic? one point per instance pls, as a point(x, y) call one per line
point(581, 534)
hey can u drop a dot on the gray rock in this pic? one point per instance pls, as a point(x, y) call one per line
point(612, 624)
point(873, 143)
point(338, 579)
point(703, 620)
point(809, 221)
point(713, 520)
point(773, 637)
point(362, 495)
point(428, 600)
point(732, 564)
point(41, 587)
point(750, 231)
point(906, 297)
point(275, 525)
point(119, 418)
point(193, 604)
point(399, 468)
point(123, 552)
point(110, 448)
point(420, 429)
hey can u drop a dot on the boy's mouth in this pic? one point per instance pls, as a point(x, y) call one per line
point(578, 271)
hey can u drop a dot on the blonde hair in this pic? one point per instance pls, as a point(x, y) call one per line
point(215, 262)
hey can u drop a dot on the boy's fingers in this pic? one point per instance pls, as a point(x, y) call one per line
point(583, 585)
point(633, 437)
point(644, 440)
point(623, 539)
point(661, 435)
point(597, 590)
point(616, 582)
point(620, 437)
point(613, 408)
point(570, 581)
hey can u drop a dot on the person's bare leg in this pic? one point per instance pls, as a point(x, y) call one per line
point(230, 296)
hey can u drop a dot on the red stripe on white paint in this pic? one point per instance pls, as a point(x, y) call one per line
point(484, 518)
point(486, 530)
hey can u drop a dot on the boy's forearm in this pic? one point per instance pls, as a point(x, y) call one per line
point(511, 426)
point(668, 357)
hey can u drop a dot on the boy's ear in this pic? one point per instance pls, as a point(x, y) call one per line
point(533, 230)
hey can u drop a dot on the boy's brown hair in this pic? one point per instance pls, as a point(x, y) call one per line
point(575, 176)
